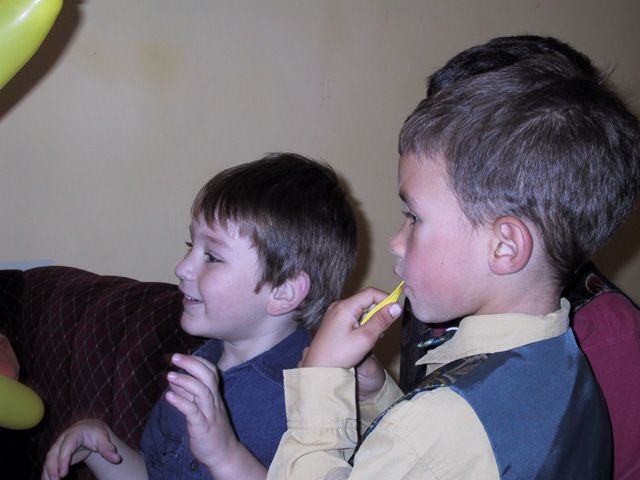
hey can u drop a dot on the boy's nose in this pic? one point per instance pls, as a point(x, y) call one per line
point(183, 269)
point(396, 244)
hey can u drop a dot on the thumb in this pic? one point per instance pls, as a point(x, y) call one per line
point(108, 451)
point(383, 319)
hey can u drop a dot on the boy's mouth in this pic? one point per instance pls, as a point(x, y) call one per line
point(190, 299)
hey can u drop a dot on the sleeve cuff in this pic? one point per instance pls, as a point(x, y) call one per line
point(319, 397)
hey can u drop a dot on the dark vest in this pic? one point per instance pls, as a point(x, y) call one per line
point(542, 410)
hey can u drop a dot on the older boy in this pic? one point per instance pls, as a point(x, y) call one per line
point(606, 323)
point(507, 188)
point(272, 242)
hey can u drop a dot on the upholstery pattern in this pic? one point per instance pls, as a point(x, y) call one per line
point(94, 346)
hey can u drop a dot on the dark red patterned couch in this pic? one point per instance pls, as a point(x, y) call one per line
point(91, 346)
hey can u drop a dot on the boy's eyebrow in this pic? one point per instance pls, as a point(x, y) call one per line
point(216, 241)
point(403, 196)
point(208, 238)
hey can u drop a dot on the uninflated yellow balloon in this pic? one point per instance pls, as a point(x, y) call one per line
point(23, 26)
point(20, 407)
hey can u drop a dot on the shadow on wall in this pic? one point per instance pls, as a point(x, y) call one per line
point(46, 56)
point(355, 280)
point(622, 247)
point(388, 348)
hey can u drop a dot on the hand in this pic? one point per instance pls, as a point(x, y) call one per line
point(76, 444)
point(341, 341)
point(370, 377)
point(196, 395)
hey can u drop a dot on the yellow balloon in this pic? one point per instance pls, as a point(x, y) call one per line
point(20, 407)
point(23, 26)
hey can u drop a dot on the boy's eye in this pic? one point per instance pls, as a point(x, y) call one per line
point(211, 258)
point(410, 216)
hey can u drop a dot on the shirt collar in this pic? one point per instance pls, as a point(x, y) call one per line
point(497, 333)
point(281, 356)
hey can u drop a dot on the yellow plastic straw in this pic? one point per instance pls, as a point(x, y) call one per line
point(393, 297)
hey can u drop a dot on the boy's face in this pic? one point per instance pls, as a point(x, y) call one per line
point(441, 257)
point(218, 277)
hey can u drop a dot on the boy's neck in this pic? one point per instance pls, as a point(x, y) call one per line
point(235, 352)
point(531, 294)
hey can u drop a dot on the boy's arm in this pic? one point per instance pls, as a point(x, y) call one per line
point(341, 341)
point(321, 404)
point(213, 442)
point(369, 410)
point(102, 450)
point(436, 435)
point(375, 391)
point(132, 466)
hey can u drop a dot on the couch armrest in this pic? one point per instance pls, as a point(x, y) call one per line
point(95, 346)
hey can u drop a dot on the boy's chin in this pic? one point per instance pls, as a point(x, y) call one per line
point(430, 316)
point(187, 324)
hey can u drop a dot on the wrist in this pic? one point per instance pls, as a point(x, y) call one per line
point(236, 462)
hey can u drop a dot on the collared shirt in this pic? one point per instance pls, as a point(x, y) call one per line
point(254, 397)
point(435, 435)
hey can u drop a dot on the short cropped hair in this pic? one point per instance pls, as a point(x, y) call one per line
point(298, 218)
point(501, 52)
point(538, 140)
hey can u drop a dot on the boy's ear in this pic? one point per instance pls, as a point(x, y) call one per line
point(288, 296)
point(511, 246)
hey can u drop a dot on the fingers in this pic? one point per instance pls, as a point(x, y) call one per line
point(348, 312)
point(59, 456)
point(190, 409)
point(360, 303)
point(75, 445)
point(194, 393)
point(108, 450)
point(54, 466)
point(199, 368)
point(190, 389)
point(370, 378)
point(341, 341)
point(382, 320)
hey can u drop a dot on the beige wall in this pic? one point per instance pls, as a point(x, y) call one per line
point(130, 106)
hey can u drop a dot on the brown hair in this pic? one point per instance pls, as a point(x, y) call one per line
point(539, 140)
point(298, 218)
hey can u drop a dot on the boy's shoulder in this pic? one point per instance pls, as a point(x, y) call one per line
point(284, 355)
point(545, 386)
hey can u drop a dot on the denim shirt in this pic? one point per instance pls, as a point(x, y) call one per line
point(254, 396)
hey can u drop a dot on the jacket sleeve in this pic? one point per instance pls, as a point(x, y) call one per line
point(412, 441)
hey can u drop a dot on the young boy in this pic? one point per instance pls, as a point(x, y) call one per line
point(272, 242)
point(509, 182)
point(493, 55)
point(605, 323)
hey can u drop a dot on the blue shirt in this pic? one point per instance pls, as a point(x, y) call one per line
point(254, 396)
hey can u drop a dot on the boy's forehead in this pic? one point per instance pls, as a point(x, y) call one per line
point(213, 227)
point(216, 229)
point(408, 167)
point(420, 178)
point(411, 164)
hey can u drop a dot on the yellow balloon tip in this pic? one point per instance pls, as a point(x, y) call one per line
point(391, 298)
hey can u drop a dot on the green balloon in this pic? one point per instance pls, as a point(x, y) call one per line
point(23, 26)
point(20, 407)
